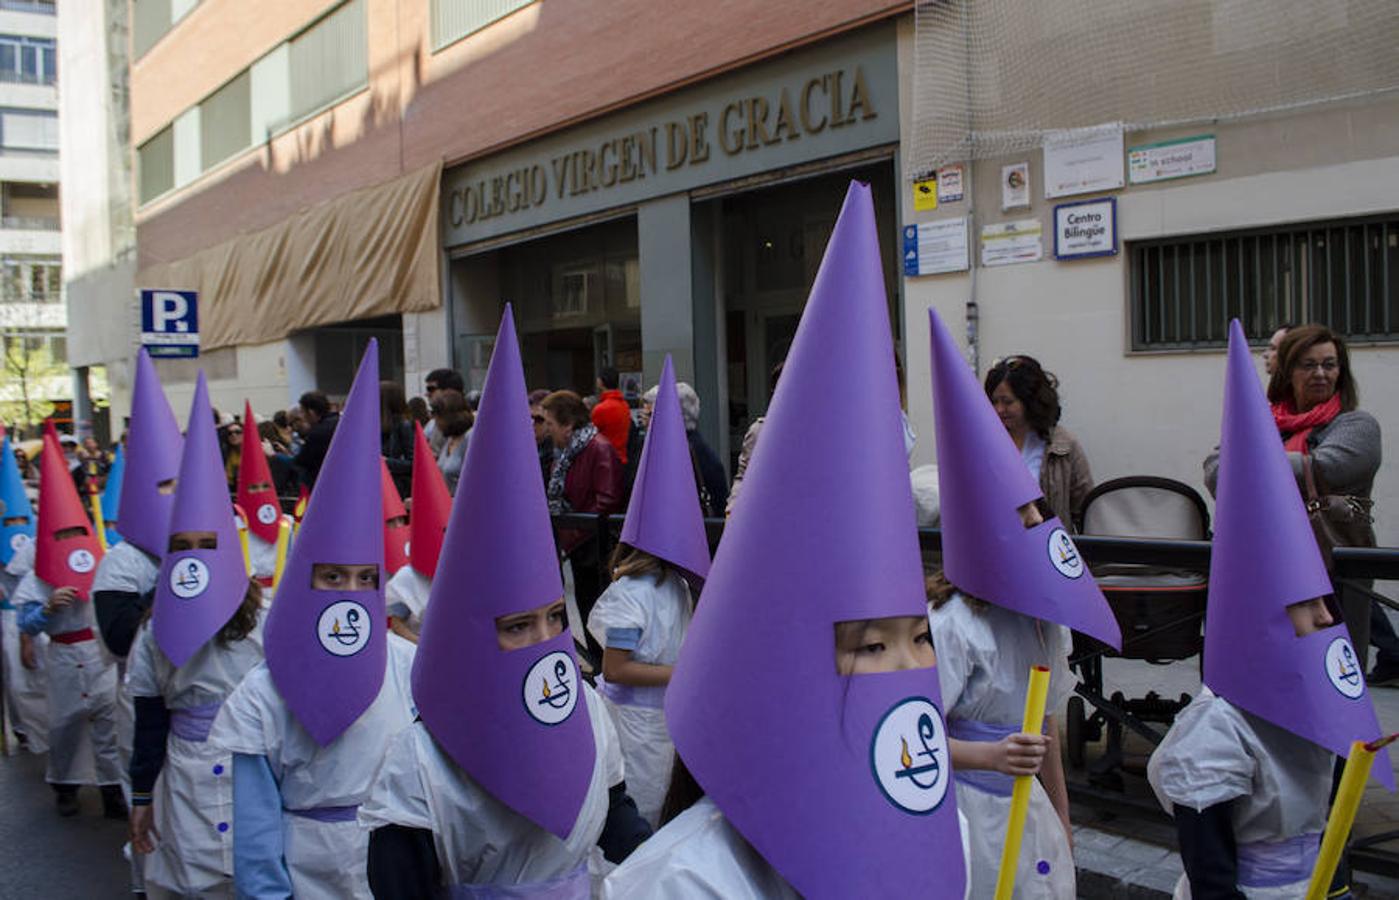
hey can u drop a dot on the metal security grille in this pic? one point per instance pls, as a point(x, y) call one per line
point(1343, 274)
point(453, 20)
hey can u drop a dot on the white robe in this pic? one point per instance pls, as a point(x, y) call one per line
point(485, 848)
point(26, 690)
point(1279, 782)
point(984, 661)
point(194, 794)
point(650, 619)
point(263, 555)
point(326, 860)
point(699, 855)
point(124, 568)
point(82, 695)
point(409, 589)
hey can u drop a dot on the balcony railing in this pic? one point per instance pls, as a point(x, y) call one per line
point(12, 77)
point(29, 223)
point(14, 295)
point(35, 6)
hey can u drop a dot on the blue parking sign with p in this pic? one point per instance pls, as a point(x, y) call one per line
point(170, 323)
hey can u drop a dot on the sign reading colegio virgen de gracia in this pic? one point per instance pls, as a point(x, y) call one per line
point(835, 98)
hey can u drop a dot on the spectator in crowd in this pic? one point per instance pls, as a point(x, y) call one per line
point(439, 380)
point(586, 477)
point(231, 446)
point(1316, 400)
point(396, 436)
point(473, 401)
point(611, 415)
point(750, 440)
point(1270, 352)
point(1026, 398)
point(418, 411)
point(279, 458)
point(296, 429)
point(710, 478)
point(541, 433)
point(452, 419)
point(74, 463)
point(320, 428)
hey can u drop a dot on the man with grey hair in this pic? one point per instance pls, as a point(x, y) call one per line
point(710, 479)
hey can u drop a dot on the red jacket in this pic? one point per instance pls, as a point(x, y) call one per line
point(593, 485)
point(612, 417)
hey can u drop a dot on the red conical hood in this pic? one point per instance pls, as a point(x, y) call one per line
point(71, 562)
point(432, 506)
point(395, 536)
point(261, 505)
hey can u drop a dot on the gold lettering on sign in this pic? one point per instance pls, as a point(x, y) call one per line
point(810, 125)
point(860, 97)
point(730, 139)
point(699, 143)
point(786, 121)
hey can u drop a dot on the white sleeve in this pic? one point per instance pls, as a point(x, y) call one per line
point(1059, 643)
point(31, 590)
point(953, 661)
point(398, 796)
point(1204, 759)
point(250, 720)
point(621, 614)
point(142, 678)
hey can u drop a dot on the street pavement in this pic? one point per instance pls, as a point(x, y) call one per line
point(44, 856)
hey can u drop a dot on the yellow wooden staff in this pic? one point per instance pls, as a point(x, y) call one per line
point(94, 500)
point(1343, 810)
point(1020, 795)
point(283, 539)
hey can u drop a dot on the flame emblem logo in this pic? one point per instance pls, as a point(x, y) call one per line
point(1063, 555)
point(1343, 669)
point(551, 688)
point(909, 756)
point(343, 628)
point(189, 577)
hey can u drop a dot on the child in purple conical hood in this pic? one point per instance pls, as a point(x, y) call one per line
point(512, 775)
point(126, 575)
point(641, 618)
point(1011, 586)
point(805, 702)
point(308, 728)
point(1247, 767)
point(204, 635)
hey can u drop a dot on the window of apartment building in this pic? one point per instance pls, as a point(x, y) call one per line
point(329, 59)
point(155, 161)
point(29, 129)
point(1342, 273)
point(28, 60)
point(28, 280)
point(26, 350)
point(453, 20)
point(150, 19)
point(29, 206)
point(35, 6)
point(225, 123)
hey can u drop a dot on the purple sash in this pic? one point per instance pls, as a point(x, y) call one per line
point(1266, 864)
point(631, 695)
point(329, 813)
point(997, 783)
point(193, 723)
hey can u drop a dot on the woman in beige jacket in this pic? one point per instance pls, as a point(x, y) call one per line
point(1026, 398)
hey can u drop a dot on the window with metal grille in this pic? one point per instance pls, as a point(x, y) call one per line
point(1343, 274)
point(329, 59)
point(156, 164)
point(453, 20)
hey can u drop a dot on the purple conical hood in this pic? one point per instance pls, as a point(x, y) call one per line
point(153, 446)
point(663, 517)
point(986, 550)
point(521, 730)
point(1263, 559)
point(326, 648)
point(199, 590)
point(808, 764)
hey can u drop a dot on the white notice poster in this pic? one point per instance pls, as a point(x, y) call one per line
point(1012, 242)
point(1171, 159)
point(1083, 160)
point(934, 247)
point(1015, 186)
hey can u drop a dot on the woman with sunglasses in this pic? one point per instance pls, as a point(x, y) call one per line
point(1026, 398)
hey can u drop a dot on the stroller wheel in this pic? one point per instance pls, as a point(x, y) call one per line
point(1076, 726)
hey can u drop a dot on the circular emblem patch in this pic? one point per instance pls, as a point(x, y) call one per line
point(267, 513)
point(1064, 554)
point(18, 541)
point(81, 561)
point(1344, 670)
point(189, 577)
point(551, 688)
point(909, 756)
point(343, 628)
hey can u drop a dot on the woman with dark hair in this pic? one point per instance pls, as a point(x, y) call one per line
point(1316, 402)
point(396, 435)
point(231, 447)
point(1026, 398)
point(586, 477)
point(418, 411)
point(454, 419)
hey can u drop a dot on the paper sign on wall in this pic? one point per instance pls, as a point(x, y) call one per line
point(933, 247)
point(1015, 186)
point(1083, 160)
point(1085, 228)
point(925, 194)
point(950, 188)
point(1012, 242)
point(1171, 159)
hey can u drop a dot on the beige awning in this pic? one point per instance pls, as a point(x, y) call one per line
point(369, 253)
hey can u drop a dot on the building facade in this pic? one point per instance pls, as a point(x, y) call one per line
point(643, 179)
point(33, 344)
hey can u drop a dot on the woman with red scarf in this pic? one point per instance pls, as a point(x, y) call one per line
point(1315, 399)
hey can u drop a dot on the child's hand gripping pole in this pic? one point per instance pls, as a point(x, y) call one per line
point(1333, 841)
point(283, 539)
point(241, 518)
point(1020, 795)
point(94, 500)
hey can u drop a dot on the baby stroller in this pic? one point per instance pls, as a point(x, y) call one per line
point(1160, 610)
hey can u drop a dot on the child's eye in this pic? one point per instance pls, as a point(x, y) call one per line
point(872, 649)
point(925, 637)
